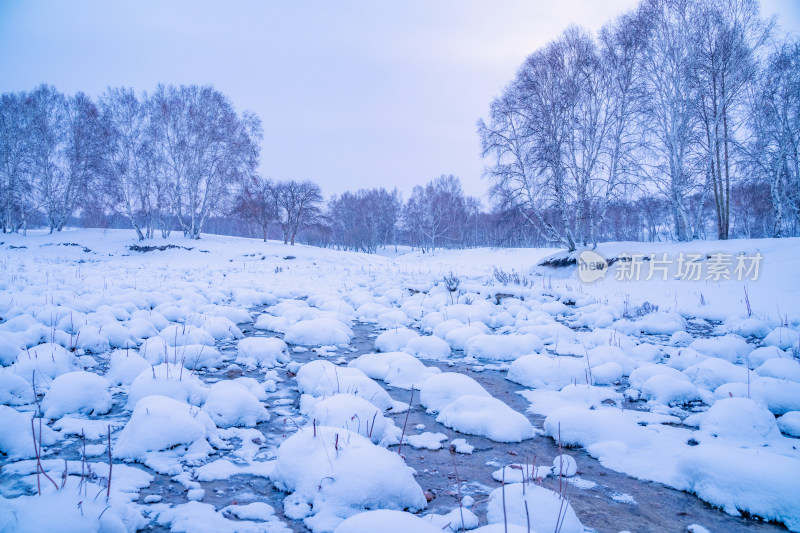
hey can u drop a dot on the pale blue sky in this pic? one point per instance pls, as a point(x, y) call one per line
point(351, 94)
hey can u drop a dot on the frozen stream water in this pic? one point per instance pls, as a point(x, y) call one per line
point(604, 500)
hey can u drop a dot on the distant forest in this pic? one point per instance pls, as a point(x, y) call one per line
point(678, 120)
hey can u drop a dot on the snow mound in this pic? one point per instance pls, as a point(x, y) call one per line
point(77, 392)
point(318, 331)
point(230, 404)
point(439, 391)
point(167, 379)
point(323, 378)
point(394, 340)
point(162, 423)
point(355, 414)
point(542, 371)
point(124, 366)
point(16, 437)
point(740, 419)
point(428, 347)
point(262, 352)
point(182, 334)
point(502, 347)
point(334, 473)
point(487, 416)
point(46, 361)
point(545, 508)
point(386, 521)
point(14, 390)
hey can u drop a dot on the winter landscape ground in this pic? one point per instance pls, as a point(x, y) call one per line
point(228, 384)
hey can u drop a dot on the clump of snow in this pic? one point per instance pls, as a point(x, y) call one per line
point(740, 419)
point(783, 338)
point(487, 416)
point(167, 379)
point(77, 392)
point(545, 508)
point(730, 347)
point(428, 347)
point(16, 436)
point(395, 339)
point(46, 361)
point(780, 368)
point(14, 390)
point(318, 331)
point(183, 334)
point(502, 347)
point(386, 521)
point(162, 423)
point(439, 391)
point(427, 440)
point(789, 423)
point(564, 465)
point(355, 414)
point(334, 473)
point(323, 378)
point(124, 366)
point(542, 371)
point(262, 352)
point(230, 403)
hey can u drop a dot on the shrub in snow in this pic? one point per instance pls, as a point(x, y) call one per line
point(545, 508)
point(262, 352)
point(428, 347)
point(355, 414)
point(77, 392)
point(232, 404)
point(487, 416)
point(161, 423)
point(386, 521)
point(502, 347)
point(336, 473)
point(395, 339)
point(47, 361)
point(323, 378)
point(170, 380)
point(14, 390)
point(318, 331)
point(439, 391)
point(182, 334)
point(564, 465)
point(789, 423)
point(16, 437)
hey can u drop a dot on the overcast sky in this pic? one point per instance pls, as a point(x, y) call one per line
point(351, 94)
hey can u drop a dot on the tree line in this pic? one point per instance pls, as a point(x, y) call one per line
point(689, 107)
point(678, 120)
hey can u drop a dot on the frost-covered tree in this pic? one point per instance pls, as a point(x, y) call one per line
point(257, 202)
point(365, 219)
point(204, 149)
point(16, 187)
point(299, 205)
point(438, 214)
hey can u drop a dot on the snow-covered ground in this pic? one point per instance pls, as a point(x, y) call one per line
point(228, 357)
